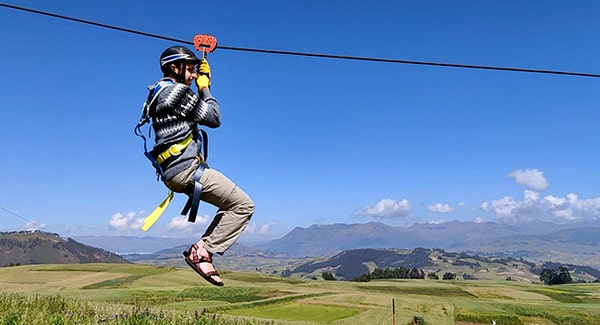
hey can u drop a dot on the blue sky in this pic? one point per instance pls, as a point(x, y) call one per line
point(312, 140)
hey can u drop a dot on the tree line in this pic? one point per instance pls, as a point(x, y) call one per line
point(547, 276)
point(552, 276)
point(389, 273)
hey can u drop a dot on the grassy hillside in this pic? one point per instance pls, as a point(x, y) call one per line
point(25, 247)
point(238, 258)
point(143, 294)
point(350, 264)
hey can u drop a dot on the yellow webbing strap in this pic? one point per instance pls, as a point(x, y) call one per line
point(151, 219)
point(175, 149)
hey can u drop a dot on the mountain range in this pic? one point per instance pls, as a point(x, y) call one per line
point(566, 243)
point(575, 243)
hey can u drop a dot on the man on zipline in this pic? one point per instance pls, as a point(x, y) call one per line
point(176, 112)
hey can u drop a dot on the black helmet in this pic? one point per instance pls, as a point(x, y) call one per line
point(176, 54)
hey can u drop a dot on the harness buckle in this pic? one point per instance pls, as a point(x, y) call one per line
point(174, 151)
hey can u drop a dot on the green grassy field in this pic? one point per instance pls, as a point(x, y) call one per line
point(144, 294)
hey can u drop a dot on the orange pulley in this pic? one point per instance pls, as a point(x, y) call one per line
point(205, 43)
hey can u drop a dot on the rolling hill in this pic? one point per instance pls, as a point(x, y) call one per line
point(26, 247)
point(350, 264)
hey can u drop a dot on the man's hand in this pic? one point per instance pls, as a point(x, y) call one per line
point(203, 80)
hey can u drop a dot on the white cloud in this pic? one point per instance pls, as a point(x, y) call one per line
point(436, 222)
point(533, 207)
point(265, 228)
point(530, 178)
point(33, 225)
point(126, 222)
point(440, 208)
point(181, 223)
point(130, 221)
point(262, 230)
point(485, 206)
point(387, 208)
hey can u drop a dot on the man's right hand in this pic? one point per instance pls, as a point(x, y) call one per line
point(203, 80)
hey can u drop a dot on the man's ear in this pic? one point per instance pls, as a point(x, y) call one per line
point(174, 69)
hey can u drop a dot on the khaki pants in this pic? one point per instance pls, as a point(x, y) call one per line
point(235, 206)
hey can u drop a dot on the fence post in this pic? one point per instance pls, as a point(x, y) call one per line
point(393, 312)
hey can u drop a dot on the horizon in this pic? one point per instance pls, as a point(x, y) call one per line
point(249, 240)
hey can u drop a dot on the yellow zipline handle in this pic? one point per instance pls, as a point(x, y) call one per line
point(153, 217)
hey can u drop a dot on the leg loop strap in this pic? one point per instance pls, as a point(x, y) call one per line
point(193, 202)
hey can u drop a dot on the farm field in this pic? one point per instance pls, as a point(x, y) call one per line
point(145, 294)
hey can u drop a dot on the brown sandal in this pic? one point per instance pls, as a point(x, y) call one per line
point(193, 260)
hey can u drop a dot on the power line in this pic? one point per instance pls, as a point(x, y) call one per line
point(319, 55)
point(39, 12)
point(23, 218)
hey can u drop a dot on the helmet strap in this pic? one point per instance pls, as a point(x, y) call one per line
point(180, 76)
point(182, 68)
